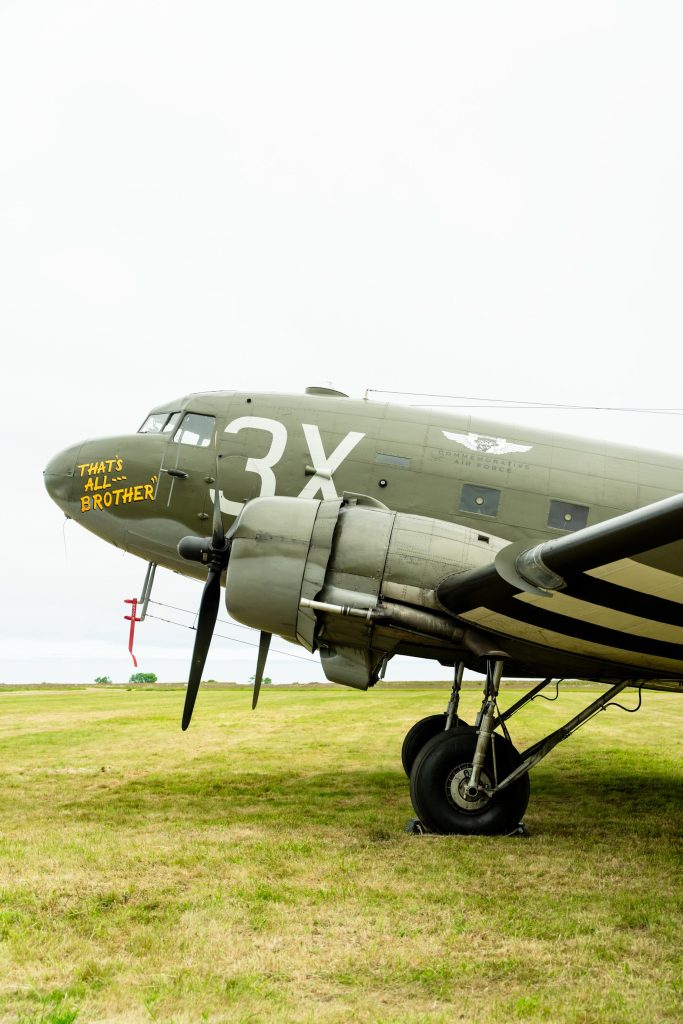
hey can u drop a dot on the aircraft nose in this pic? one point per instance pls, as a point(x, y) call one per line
point(58, 476)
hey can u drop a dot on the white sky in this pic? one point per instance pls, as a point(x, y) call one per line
point(479, 199)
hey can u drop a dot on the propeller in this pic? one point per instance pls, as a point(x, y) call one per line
point(263, 645)
point(214, 552)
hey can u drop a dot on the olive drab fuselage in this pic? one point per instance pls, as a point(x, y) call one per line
point(143, 492)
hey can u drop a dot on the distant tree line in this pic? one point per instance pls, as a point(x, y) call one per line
point(137, 677)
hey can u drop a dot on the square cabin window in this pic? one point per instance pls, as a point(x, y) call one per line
point(565, 515)
point(482, 500)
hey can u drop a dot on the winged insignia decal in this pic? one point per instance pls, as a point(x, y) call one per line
point(487, 445)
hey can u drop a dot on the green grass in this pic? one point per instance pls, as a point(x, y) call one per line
point(255, 868)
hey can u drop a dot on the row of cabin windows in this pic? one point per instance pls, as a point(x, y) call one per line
point(197, 430)
point(484, 501)
point(562, 515)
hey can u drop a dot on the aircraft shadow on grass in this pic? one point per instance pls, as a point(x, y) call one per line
point(646, 803)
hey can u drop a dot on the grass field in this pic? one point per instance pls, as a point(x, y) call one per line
point(255, 868)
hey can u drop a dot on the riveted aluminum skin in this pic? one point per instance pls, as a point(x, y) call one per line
point(267, 563)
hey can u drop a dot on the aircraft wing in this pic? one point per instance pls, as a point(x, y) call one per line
point(611, 594)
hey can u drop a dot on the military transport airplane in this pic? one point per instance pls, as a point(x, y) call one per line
point(363, 530)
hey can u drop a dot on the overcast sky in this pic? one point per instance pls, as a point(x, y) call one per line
point(477, 199)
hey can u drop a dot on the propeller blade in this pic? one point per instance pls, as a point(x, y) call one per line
point(233, 529)
point(208, 613)
point(263, 645)
point(218, 539)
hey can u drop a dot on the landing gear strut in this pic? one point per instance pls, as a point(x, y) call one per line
point(425, 730)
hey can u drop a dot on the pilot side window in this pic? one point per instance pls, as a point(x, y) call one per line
point(195, 429)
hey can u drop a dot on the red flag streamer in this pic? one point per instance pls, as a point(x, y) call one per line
point(132, 618)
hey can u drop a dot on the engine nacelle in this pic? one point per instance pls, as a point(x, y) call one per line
point(350, 553)
point(268, 559)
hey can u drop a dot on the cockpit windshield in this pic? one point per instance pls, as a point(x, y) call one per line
point(160, 423)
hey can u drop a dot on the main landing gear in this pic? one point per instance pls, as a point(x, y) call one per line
point(470, 780)
point(450, 799)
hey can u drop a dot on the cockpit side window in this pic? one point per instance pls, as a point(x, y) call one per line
point(159, 423)
point(195, 429)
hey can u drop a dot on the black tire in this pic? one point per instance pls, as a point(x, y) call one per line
point(422, 732)
point(440, 803)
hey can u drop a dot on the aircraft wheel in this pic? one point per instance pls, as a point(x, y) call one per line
point(438, 786)
point(421, 733)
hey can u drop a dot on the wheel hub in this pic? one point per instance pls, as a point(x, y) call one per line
point(461, 794)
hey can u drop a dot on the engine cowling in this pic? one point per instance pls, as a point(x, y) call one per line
point(352, 554)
